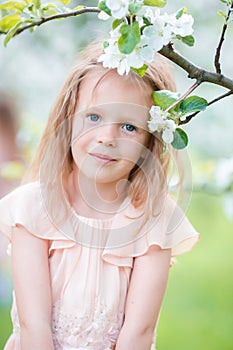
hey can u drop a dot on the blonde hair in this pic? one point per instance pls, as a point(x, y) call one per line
point(57, 134)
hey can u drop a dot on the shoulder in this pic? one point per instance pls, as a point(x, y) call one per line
point(24, 206)
point(24, 192)
point(24, 198)
point(135, 232)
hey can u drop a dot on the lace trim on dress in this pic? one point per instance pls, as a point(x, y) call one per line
point(98, 331)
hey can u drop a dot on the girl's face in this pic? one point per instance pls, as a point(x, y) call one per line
point(109, 132)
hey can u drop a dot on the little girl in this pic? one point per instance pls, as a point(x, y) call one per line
point(93, 229)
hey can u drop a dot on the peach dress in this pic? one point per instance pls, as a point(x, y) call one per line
point(91, 262)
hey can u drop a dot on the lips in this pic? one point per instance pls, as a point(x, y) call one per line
point(102, 158)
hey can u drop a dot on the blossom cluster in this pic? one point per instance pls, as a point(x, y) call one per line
point(168, 111)
point(139, 31)
point(160, 122)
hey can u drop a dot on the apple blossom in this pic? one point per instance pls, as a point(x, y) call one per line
point(119, 8)
point(159, 122)
point(181, 26)
point(158, 34)
point(113, 58)
point(142, 53)
point(151, 13)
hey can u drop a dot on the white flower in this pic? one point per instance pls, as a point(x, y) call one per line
point(181, 26)
point(156, 118)
point(103, 15)
point(141, 54)
point(113, 58)
point(168, 132)
point(151, 13)
point(159, 122)
point(158, 34)
point(119, 8)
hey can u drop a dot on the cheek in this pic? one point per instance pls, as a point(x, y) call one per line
point(77, 146)
point(78, 123)
point(131, 151)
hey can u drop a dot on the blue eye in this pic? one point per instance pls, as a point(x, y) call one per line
point(93, 117)
point(129, 127)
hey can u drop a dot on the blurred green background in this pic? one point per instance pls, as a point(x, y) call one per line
point(198, 308)
point(197, 312)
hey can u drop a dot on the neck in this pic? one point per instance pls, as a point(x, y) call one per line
point(96, 199)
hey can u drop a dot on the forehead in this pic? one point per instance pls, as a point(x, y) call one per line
point(109, 87)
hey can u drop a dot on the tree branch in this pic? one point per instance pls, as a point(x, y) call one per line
point(188, 92)
point(210, 103)
point(195, 72)
point(51, 18)
point(222, 38)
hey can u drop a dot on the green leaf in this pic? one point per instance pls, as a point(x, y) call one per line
point(227, 2)
point(164, 98)
point(140, 71)
point(11, 33)
point(65, 2)
point(105, 44)
point(7, 22)
point(146, 21)
point(49, 9)
point(36, 3)
point(164, 150)
point(193, 104)
point(180, 139)
point(222, 14)
point(188, 40)
point(103, 7)
point(130, 37)
point(13, 6)
point(77, 8)
point(156, 3)
point(116, 23)
point(181, 12)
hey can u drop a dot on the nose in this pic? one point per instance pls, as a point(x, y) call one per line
point(106, 134)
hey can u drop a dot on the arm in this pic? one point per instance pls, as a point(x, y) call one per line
point(145, 295)
point(32, 289)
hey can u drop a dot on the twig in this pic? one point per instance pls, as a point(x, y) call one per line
point(222, 38)
point(58, 16)
point(209, 103)
point(195, 72)
point(188, 92)
point(220, 97)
